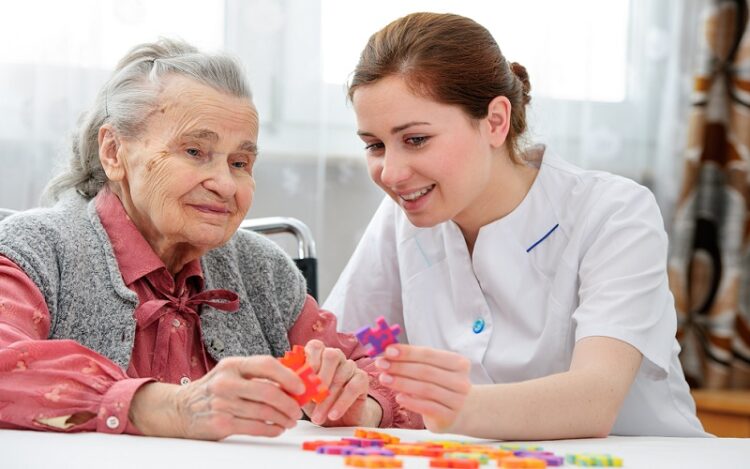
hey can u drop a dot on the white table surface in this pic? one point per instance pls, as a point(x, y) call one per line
point(29, 449)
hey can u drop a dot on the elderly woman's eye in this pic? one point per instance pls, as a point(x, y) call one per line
point(193, 151)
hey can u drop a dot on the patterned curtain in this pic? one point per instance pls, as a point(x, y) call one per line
point(709, 263)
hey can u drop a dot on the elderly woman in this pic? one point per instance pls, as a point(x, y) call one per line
point(134, 304)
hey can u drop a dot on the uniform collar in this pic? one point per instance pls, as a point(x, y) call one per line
point(534, 219)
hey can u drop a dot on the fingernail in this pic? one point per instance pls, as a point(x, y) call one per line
point(391, 352)
point(380, 363)
point(333, 415)
point(386, 378)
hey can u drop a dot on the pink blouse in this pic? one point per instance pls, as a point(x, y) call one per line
point(59, 385)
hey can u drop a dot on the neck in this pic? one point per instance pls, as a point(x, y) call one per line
point(508, 185)
point(175, 256)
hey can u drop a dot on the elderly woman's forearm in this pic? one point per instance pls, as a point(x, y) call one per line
point(62, 386)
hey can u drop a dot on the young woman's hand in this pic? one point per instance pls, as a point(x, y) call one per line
point(431, 382)
point(347, 403)
point(240, 395)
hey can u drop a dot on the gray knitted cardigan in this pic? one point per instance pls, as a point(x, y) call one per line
point(66, 252)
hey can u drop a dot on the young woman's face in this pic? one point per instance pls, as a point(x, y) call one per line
point(427, 156)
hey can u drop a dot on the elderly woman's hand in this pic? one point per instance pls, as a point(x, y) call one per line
point(240, 395)
point(347, 403)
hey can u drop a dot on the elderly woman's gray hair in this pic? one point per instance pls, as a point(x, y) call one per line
point(130, 96)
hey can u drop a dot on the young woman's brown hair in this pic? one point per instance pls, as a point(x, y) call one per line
point(451, 59)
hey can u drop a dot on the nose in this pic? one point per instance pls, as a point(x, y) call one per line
point(220, 180)
point(395, 169)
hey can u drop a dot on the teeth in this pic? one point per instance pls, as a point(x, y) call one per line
point(416, 195)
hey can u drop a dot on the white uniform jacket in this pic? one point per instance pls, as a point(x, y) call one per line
point(584, 254)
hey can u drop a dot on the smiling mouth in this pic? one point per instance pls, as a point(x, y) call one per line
point(211, 210)
point(411, 197)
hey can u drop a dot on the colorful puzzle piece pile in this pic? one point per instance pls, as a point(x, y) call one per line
point(376, 339)
point(314, 390)
point(376, 449)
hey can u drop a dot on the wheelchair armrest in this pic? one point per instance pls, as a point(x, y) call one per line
point(306, 261)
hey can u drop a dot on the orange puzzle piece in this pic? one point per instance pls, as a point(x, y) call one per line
point(314, 390)
point(294, 359)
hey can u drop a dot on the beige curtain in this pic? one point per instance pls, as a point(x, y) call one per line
point(709, 262)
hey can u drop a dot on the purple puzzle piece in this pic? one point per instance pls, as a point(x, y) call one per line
point(545, 456)
point(377, 339)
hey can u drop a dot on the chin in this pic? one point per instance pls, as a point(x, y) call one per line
point(209, 240)
point(423, 221)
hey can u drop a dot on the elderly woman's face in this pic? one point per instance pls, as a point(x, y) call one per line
point(188, 179)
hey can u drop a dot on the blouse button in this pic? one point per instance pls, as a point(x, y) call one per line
point(218, 345)
point(478, 326)
point(184, 380)
point(112, 422)
point(176, 322)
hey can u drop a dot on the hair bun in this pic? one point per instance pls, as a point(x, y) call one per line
point(520, 72)
point(164, 48)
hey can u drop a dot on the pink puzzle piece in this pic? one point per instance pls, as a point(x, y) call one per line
point(376, 339)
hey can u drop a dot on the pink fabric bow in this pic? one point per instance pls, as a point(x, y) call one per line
point(184, 305)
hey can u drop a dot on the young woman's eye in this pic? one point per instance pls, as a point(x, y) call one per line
point(417, 141)
point(373, 147)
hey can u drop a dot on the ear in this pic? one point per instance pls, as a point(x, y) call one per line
point(110, 155)
point(498, 120)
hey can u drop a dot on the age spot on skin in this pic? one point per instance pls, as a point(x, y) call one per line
point(151, 163)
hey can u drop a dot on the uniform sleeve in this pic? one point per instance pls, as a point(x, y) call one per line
point(53, 385)
point(315, 323)
point(624, 291)
point(370, 285)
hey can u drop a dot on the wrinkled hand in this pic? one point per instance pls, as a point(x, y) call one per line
point(240, 395)
point(346, 404)
point(431, 382)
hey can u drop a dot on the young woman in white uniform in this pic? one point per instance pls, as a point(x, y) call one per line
point(533, 294)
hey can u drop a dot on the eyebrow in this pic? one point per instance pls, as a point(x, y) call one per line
point(396, 129)
point(205, 134)
point(249, 146)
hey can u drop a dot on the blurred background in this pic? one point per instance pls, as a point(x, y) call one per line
point(617, 85)
point(606, 77)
